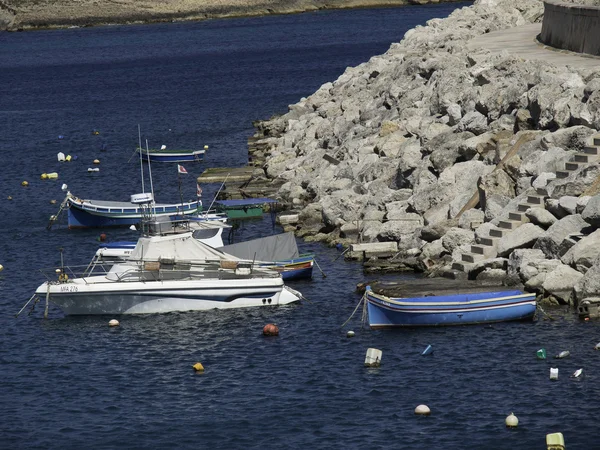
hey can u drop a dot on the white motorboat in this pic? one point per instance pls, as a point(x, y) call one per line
point(166, 273)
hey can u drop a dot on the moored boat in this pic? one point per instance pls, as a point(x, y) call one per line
point(163, 274)
point(435, 307)
point(103, 213)
point(170, 155)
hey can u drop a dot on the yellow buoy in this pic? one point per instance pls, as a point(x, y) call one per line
point(198, 367)
point(1, 267)
point(53, 202)
point(555, 441)
point(44, 176)
point(422, 410)
point(206, 147)
point(113, 323)
point(512, 421)
point(68, 158)
point(96, 161)
point(25, 183)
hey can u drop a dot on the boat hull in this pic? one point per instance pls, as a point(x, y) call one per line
point(462, 309)
point(82, 214)
point(137, 298)
point(172, 157)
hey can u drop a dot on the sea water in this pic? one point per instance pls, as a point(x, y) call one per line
point(75, 382)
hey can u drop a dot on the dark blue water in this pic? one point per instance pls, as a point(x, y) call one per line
point(76, 383)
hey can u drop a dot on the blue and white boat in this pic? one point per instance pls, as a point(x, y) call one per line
point(448, 308)
point(168, 155)
point(101, 213)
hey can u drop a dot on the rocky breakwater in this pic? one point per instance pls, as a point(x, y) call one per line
point(477, 164)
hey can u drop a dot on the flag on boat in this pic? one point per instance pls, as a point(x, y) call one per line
point(181, 169)
point(198, 190)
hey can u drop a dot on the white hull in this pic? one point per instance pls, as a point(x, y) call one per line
point(93, 296)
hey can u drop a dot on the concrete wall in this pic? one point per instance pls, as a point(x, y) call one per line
point(571, 27)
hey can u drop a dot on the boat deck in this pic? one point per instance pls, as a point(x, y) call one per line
point(425, 287)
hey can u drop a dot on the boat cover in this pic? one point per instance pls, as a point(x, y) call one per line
point(178, 247)
point(271, 248)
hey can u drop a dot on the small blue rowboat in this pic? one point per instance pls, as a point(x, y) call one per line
point(167, 155)
point(453, 309)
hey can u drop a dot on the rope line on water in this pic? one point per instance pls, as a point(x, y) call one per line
point(353, 312)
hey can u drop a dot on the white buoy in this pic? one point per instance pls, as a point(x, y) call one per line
point(563, 354)
point(95, 169)
point(597, 347)
point(373, 358)
point(132, 227)
point(577, 373)
point(61, 156)
point(350, 334)
point(422, 410)
point(554, 373)
point(555, 441)
point(1, 267)
point(512, 421)
point(113, 323)
point(64, 187)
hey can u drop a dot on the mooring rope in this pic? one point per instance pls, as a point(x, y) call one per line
point(354, 312)
point(544, 312)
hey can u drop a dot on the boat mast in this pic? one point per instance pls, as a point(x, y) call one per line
point(152, 205)
point(140, 147)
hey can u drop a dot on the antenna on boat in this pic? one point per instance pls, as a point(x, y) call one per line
point(141, 165)
point(216, 195)
point(149, 169)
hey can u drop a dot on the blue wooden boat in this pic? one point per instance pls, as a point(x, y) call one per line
point(168, 155)
point(101, 214)
point(448, 308)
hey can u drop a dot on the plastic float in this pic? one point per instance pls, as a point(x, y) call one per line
point(373, 358)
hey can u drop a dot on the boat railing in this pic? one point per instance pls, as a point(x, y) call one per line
point(164, 269)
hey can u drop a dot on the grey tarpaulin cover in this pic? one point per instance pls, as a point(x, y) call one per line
point(272, 248)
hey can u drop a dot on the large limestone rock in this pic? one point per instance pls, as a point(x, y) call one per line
point(583, 254)
point(591, 212)
point(551, 240)
point(541, 217)
point(560, 282)
point(521, 258)
point(525, 236)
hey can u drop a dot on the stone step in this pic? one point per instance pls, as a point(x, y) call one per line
point(597, 141)
point(509, 224)
point(541, 191)
point(488, 252)
point(562, 174)
point(462, 266)
point(496, 232)
point(582, 157)
point(590, 150)
point(535, 199)
point(472, 257)
point(571, 165)
point(489, 241)
point(518, 217)
point(523, 207)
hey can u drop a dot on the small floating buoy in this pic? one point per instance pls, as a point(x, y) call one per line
point(422, 410)
point(44, 176)
point(577, 373)
point(1, 267)
point(541, 353)
point(350, 334)
point(373, 358)
point(60, 136)
point(53, 202)
point(102, 237)
point(25, 183)
point(96, 161)
point(113, 323)
point(554, 373)
point(198, 367)
point(512, 421)
point(132, 227)
point(64, 187)
point(68, 158)
point(427, 351)
point(270, 330)
point(597, 346)
point(206, 147)
point(95, 132)
point(49, 176)
point(555, 441)
point(95, 169)
point(60, 156)
point(563, 354)
point(9, 198)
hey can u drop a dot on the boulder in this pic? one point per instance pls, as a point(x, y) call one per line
point(589, 284)
point(553, 237)
point(591, 212)
point(582, 254)
point(492, 276)
point(560, 282)
point(553, 207)
point(523, 237)
point(568, 203)
point(471, 219)
point(541, 217)
point(455, 237)
point(520, 258)
point(474, 122)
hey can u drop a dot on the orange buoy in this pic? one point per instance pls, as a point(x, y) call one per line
point(271, 330)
